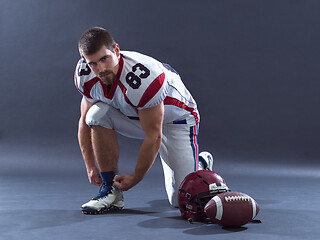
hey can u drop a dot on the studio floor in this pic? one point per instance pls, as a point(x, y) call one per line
point(43, 184)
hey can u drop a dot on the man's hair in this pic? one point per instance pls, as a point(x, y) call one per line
point(93, 39)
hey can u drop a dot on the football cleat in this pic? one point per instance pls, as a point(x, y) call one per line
point(207, 160)
point(108, 199)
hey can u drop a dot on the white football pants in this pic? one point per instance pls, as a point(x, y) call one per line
point(178, 151)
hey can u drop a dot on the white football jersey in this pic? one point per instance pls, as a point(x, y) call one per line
point(142, 82)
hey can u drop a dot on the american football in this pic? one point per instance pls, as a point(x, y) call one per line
point(231, 209)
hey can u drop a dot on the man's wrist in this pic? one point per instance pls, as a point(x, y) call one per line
point(90, 165)
point(138, 175)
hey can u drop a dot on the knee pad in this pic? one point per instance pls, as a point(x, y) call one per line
point(98, 115)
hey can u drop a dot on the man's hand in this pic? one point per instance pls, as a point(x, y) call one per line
point(125, 181)
point(94, 176)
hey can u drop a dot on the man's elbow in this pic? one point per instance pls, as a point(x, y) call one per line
point(156, 139)
point(159, 139)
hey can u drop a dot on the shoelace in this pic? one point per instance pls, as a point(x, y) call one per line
point(103, 191)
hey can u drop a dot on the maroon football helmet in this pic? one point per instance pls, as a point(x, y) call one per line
point(196, 190)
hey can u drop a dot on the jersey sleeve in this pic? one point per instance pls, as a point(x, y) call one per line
point(84, 80)
point(146, 85)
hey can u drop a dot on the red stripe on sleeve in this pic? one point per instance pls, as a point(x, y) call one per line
point(88, 86)
point(153, 88)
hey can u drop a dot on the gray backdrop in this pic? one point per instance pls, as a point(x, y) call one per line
point(252, 65)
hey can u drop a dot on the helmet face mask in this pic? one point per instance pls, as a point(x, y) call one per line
point(196, 190)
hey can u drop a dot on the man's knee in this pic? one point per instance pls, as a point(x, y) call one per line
point(98, 115)
point(174, 199)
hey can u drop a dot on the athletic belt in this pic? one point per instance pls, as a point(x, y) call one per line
point(184, 121)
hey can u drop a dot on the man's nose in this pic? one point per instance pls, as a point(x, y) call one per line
point(101, 67)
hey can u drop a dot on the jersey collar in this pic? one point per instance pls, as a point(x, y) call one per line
point(116, 82)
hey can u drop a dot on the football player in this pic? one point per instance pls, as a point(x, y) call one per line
point(137, 96)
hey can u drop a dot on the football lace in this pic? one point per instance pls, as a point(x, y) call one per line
point(237, 198)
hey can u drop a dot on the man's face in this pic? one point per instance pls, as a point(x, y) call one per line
point(105, 63)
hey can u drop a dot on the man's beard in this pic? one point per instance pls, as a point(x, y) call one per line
point(107, 79)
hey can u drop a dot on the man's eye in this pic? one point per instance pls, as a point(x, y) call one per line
point(92, 64)
point(104, 58)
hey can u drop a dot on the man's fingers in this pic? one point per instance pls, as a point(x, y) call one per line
point(98, 182)
point(118, 179)
point(117, 184)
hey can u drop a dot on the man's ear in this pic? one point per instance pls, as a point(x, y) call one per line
point(116, 49)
